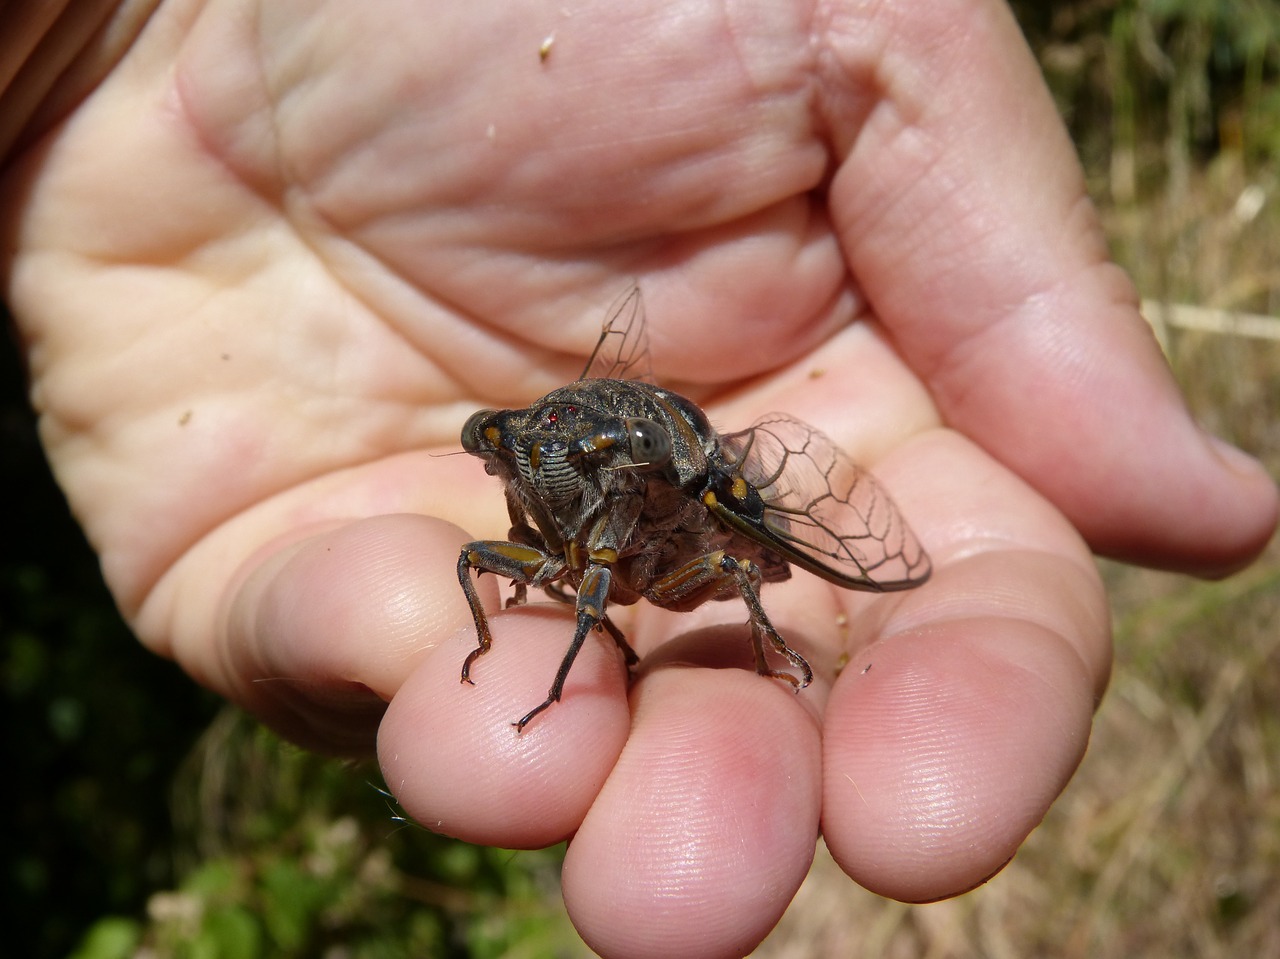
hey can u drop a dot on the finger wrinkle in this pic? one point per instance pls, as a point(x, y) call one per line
point(1037, 339)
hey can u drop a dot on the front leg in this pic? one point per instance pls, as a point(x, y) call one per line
point(521, 563)
point(557, 592)
point(593, 595)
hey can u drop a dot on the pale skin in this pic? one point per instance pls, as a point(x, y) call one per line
point(266, 258)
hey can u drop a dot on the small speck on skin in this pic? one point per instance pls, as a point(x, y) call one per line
point(817, 373)
point(185, 418)
point(544, 50)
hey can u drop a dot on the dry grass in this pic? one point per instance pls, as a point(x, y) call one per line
point(1167, 842)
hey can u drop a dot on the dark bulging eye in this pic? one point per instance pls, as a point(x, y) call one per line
point(650, 443)
point(473, 438)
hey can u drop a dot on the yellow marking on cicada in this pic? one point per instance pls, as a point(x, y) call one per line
point(740, 488)
point(606, 556)
point(535, 456)
point(692, 572)
point(516, 551)
point(493, 435)
point(709, 499)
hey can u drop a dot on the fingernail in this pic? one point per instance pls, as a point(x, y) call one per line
point(1234, 459)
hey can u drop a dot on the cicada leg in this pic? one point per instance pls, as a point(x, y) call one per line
point(557, 592)
point(561, 595)
point(747, 576)
point(707, 574)
point(525, 566)
point(593, 594)
point(519, 596)
point(628, 654)
point(520, 563)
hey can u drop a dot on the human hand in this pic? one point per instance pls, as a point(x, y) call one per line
point(269, 267)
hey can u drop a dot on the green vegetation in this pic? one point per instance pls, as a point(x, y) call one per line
point(282, 853)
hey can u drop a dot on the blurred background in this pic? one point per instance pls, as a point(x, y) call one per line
point(150, 819)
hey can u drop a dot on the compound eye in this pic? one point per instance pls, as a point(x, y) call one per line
point(650, 443)
point(473, 438)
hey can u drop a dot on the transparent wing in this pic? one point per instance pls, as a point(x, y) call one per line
point(622, 352)
point(819, 509)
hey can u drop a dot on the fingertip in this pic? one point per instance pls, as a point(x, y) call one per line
point(707, 824)
point(318, 633)
point(451, 753)
point(1190, 503)
point(1259, 508)
point(944, 749)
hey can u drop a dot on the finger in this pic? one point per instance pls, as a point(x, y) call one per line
point(711, 812)
point(947, 751)
point(963, 214)
point(320, 636)
point(453, 757)
point(947, 738)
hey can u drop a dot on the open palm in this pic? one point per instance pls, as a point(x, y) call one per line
point(271, 263)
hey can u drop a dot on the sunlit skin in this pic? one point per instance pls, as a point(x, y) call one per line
point(265, 260)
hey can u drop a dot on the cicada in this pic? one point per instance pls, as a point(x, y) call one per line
point(620, 490)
